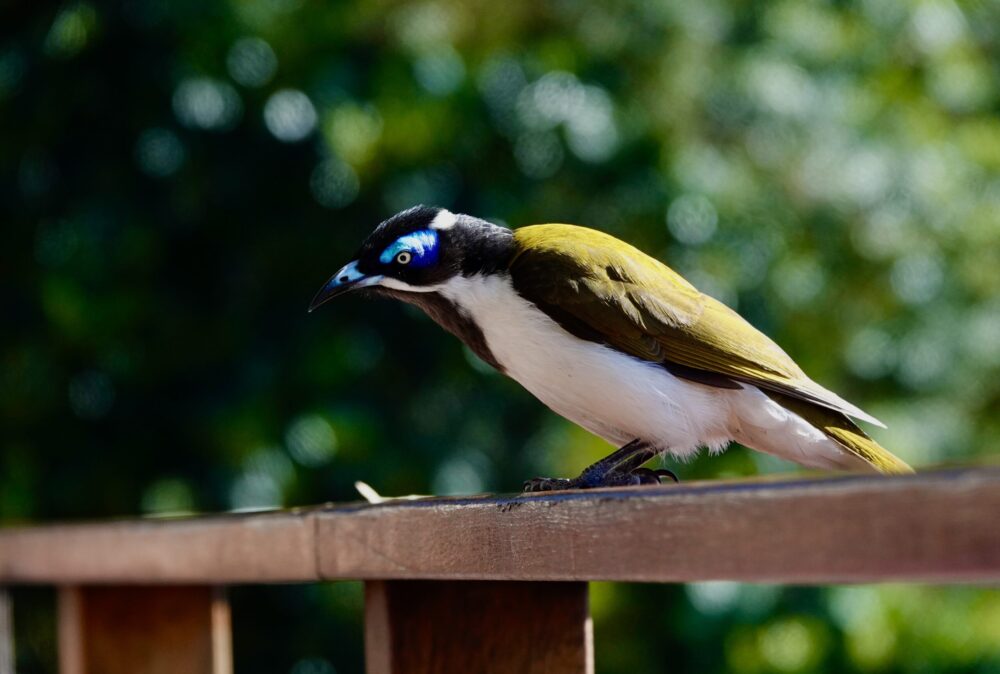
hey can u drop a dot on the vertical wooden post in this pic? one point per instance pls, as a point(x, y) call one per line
point(144, 630)
point(502, 627)
point(6, 633)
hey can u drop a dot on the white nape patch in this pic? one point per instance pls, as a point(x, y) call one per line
point(445, 219)
point(620, 398)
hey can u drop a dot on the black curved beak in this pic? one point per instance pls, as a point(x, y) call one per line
point(348, 278)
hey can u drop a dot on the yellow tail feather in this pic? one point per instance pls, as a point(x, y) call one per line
point(846, 433)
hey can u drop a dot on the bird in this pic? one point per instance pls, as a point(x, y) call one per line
point(613, 340)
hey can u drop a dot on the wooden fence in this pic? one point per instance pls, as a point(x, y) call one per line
point(491, 583)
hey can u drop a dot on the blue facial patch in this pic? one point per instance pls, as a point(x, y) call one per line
point(422, 245)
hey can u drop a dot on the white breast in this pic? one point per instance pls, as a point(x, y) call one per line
point(607, 392)
point(620, 398)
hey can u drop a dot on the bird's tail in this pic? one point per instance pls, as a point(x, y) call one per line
point(839, 428)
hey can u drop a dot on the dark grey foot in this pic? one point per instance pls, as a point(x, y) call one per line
point(549, 484)
point(588, 480)
point(621, 468)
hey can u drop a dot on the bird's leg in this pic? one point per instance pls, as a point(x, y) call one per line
point(620, 468)
point(613, 469)
point(629, 471)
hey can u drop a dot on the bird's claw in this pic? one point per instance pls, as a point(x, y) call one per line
point(639, 476)
point(536, 484)
point(648, 476)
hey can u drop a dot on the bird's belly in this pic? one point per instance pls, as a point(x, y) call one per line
point(621, 398)
point(609, 393)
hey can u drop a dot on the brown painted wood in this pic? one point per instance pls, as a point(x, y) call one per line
point(436, 627)
point(940, 526)
point(144, 630)
point(6, 633)
point(263, 547)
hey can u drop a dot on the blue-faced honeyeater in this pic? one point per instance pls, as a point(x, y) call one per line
point(611, 339)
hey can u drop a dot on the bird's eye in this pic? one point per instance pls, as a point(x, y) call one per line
point(404, 257)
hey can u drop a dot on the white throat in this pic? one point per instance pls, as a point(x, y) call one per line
point(396, 284)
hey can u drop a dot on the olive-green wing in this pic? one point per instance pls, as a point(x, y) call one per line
point(604, 290)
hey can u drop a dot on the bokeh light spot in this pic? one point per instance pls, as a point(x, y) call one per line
point(981, 335)
point(207, 104)
point(916, 278)
point(500, 81)
point(962, 84)
point(334, 184)
point(266, 473)
point(159, 152)
point(861, 613)
point(585, 112)
point(71, 30)
point(937, 25)
point(789, 645)
point(925, 358)
point(251, 62)
point(539, 154)
point(713, 597)
point(289, 115)
point(12, 66)
point(441, 71)
point(253, 491)
point(692, 219)
point(311, 441)
point(781, 87)
point(168, 496)
point(591, 133)
point(871, 353)
point(353, 131)
point(420, 26)
point(460, 475)
point(799, 280)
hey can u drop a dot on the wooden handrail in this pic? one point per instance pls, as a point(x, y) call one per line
point(940, 526)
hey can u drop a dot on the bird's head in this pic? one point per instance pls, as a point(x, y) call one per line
point(416, 251)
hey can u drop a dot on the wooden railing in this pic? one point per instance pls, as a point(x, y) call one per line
point(492, 583)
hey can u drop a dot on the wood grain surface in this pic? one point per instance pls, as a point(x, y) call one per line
point(144, 630)
point(262, 547)
point(941, 526)
point(440, 627)
point(6, 634)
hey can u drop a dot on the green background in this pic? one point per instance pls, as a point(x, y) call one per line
point(178, 178)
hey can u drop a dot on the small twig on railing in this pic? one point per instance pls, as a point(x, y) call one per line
point(369, 494)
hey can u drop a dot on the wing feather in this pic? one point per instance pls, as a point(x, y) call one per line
point(604, 290)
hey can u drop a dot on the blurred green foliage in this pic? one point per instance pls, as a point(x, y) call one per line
point(177, 178)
